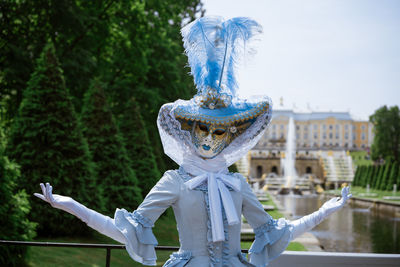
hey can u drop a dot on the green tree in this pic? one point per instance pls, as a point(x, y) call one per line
point(367, 178)
point(14, 209)
point(385, 177)
point(356, 180)
point(372, 175)
point(139, 147)
point(386, 142)
point(392, 176)
point(363, 174)
point(46, 141)
point(135, 46)
point(115, 175)
point(397, 175)
point(375, 178)
point(379, 177)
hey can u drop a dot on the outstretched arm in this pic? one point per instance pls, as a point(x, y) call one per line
point(93, 219)
point(308, 222)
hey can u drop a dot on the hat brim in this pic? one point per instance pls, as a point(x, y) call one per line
point(237, 112)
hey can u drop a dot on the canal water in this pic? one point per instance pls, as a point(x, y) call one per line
point(352, 229)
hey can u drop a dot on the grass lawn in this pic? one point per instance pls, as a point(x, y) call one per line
point(373, 193)
point(360, 158)
point(293, 246)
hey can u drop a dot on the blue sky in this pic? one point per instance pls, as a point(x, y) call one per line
point(327, 55)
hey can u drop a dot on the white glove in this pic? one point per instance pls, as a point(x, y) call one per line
point(93, 219)
point(308, 222)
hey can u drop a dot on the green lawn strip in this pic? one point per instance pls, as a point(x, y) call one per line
point(293, 246)
point(359, 191)
point(358, 158)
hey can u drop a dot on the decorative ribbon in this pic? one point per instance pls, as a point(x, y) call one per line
point(218, 191)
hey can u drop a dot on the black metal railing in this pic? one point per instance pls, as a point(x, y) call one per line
point(108, 247)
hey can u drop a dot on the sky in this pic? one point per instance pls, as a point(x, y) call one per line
point(321, 55)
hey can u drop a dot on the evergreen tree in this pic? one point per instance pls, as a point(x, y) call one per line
point(139, 147)
point(392, 177)
point(364, 177)
point(14, 209)
point(385, 177)
point(46, 141)
point(356, 179)
point(378, 177)
point(361, 174)
point(115, 175)
point(368, 174)
point(397, 175)
point(371, 176)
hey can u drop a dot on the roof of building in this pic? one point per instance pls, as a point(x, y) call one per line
point(312, 115)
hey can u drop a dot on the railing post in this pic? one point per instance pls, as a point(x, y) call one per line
point(108, 257)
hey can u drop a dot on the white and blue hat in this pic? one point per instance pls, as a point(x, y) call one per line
point(214, 47)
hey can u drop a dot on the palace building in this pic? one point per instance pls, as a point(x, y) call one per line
point(323, 141)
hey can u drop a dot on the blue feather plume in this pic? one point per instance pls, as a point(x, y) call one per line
point(214, 48)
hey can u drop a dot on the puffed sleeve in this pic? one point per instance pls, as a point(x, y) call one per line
point(271, 236)
point(136, 226)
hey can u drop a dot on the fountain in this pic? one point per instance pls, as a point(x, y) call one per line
point(289, 162)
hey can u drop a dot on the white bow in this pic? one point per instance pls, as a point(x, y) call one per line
point(217, 191)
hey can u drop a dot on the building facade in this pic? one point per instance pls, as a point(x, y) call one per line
point(322, 139)
point(318, 131)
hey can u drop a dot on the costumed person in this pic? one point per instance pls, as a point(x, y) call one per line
point(204, 136)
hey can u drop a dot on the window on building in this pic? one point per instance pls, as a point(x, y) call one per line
point(273, 127)
point(346, 144)
point(362, 136)
point(315, 135)
point(346, 135)
point(337, 135)
point(323, 126)
point(297, 127)
point(308, 170)
point(354, 137)
point(281, 136)
point(282, 126)
point(274, 169)
point(305, 136)
point(315, 127)
point(324, 136)
point(363, 127)
point(346, 126)
point(297, 136)
point(330, 136)
point(330, 127)
point(337, 127)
